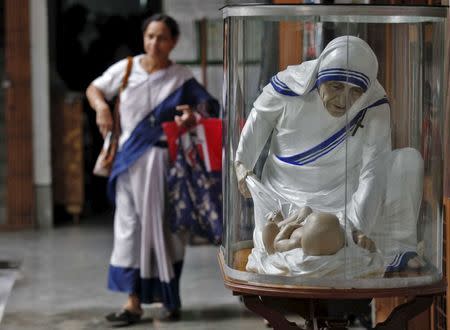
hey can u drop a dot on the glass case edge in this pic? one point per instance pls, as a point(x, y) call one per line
point(326, 10)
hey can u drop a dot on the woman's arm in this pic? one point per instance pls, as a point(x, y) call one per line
point(97, 101)
point(105, 88)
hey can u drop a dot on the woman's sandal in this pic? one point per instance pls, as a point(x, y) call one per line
point(123, 317)
point(172, 316)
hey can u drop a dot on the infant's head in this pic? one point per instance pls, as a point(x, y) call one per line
point(322, 235)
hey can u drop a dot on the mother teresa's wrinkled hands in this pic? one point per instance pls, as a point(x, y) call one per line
point(363, 241)
point(241, 174)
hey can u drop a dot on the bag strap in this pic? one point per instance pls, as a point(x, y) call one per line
point(127, 73)
point(116, 117)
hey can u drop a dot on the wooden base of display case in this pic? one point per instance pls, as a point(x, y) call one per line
point(273, 303)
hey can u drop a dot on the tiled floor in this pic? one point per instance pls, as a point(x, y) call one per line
point(7, 279)
point(61, 284)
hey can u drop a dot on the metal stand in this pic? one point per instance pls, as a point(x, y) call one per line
point(316, 317)
point(274, 302)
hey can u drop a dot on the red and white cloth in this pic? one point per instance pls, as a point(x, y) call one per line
point(208, 140)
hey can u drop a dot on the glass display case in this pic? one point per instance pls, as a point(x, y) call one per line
point(333, 127)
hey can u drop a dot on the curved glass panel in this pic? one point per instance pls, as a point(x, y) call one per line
point(333, 145)
point(342, 13)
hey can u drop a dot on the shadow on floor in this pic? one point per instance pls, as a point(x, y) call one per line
point(216, 313)
point(93, 318)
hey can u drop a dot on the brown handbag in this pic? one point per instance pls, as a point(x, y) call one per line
point(105, 159)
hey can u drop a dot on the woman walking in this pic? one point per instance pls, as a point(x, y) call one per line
point(147, 258)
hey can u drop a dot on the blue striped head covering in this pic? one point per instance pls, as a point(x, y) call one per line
point(344, 75)
point(348, 59)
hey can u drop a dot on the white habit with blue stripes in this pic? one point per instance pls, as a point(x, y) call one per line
point(315, 160)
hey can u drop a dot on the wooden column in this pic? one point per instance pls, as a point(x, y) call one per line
point(290, 40)
point(18, 116)
point(67, 153)
point(447, 172)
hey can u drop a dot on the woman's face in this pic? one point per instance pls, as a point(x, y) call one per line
point(158, 41)
point(338, 97)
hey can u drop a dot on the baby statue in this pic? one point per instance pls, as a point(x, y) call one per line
point(317, 233)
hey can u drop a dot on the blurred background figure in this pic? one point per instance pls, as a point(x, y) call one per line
point(147, 257)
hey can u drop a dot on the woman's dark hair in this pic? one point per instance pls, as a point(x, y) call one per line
point(169, 21)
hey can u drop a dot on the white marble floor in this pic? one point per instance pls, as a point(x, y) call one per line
point(61, 284)
point(7, 279)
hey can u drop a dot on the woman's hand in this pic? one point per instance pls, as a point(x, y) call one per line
point(97, 102)
point(104, 119)
point(187, 119)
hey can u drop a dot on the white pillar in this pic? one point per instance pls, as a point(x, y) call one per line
point(40, 91)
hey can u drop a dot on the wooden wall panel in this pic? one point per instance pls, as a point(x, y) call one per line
point(18, 116)
point(447, 119)
point(290, 40)
point(290, 44)
point(447, 173)
point(67, 153)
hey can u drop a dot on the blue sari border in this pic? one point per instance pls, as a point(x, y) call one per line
point(400, 262)
point(281, 87)
point(330, 143)
point(149, 130)
point(123, 279)
point(149, 290)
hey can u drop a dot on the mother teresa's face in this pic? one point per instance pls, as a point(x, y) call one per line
point(338, 97)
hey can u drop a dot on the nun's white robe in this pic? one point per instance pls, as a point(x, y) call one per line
point(378, 190)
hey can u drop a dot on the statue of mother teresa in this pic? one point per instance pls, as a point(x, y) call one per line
point(330, 150)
